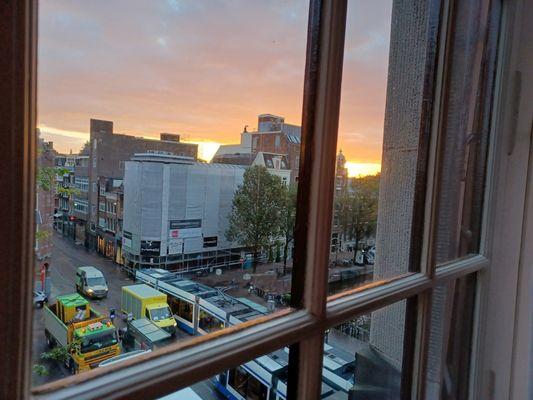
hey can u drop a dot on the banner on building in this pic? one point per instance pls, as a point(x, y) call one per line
point(175, 246)
point(184, 228)
point(126, 239)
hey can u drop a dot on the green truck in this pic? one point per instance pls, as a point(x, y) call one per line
point(90, 338)
point(143, 301)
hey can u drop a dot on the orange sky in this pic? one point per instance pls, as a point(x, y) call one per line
point(200, 69)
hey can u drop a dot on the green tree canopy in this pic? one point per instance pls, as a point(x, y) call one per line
point(288, 220)
point(358, 208)
point(256, 218)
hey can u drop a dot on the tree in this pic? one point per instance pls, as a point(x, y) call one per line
point(358, 209)
point(288, 219)
point(256, 215)
point(58, 354)
point(46, 179)
point(85, 149)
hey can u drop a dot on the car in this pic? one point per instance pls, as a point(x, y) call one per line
point(91, 282)
point(346, 263)
point(39, 298)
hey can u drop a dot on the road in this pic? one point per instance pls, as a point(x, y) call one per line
point(66, 257)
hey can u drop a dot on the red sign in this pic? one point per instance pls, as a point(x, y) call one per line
point(43, 276)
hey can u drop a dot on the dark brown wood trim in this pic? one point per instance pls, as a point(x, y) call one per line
point(428, 100)
point(409, 347)
point(18, 29)
point(320, 119)
point(304, 178)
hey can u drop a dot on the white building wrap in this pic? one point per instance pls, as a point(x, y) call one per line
point(171, 204)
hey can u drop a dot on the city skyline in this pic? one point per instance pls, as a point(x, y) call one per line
point(171, 78)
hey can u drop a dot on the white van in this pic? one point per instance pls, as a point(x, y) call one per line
point(91, 282)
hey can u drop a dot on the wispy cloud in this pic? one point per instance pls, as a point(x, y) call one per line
point(202, 69)
point(63, 132)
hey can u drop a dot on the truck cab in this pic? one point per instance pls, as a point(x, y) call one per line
point(89, 338)
point(160, 314)
point(91, 282)
point(96, 341)
point(143, 301)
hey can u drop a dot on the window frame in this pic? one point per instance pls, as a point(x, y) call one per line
point(302, 326)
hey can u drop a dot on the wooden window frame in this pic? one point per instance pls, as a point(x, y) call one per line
point(302, 326)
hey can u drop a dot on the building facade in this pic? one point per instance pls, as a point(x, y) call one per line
point(96, 207)
point(273, 136)
point(63, 206)
point(44, 199)
point(276, 164)
point(176, 212)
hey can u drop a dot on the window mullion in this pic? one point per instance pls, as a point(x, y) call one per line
point(18, 46)
point(323, 75)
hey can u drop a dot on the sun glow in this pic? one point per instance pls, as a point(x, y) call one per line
point(206, 148)
point(362, 169)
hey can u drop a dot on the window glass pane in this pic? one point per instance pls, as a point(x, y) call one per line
point(205, 390)
point(450, 341)
point(168, 168)
point(465, 137)
point(378, 142)
point(263, 378)
point(364, 357)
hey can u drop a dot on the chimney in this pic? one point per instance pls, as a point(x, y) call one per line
point(169, 137)
point(100, 126)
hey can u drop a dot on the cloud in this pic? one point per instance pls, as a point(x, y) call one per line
point(202, 69)
point(62, 132)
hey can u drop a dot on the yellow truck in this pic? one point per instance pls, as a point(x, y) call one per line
point(143, 301)
point(90, 338)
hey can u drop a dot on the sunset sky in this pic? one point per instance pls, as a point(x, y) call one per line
point(202, 69)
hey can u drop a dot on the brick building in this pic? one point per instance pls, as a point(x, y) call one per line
point(276, 136)
point(98, 175)
point(44, 201)
point(273, 136)
point(63, 203)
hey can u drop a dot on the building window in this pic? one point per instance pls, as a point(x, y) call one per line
point(255, 144)
point(81, 206)
point(210, 241)
point(82, 183)
point(101, 206)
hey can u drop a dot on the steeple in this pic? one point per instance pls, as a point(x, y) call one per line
point(341, 160)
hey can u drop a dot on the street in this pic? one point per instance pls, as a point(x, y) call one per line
point(66, 258)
